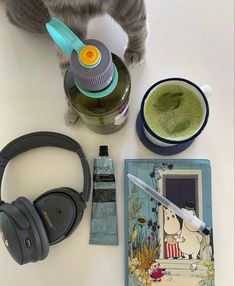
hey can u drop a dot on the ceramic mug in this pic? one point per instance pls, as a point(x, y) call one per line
point(202, 94)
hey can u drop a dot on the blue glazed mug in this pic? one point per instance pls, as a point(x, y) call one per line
point(158, 140)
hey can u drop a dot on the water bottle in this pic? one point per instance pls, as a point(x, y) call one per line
point(97, 83)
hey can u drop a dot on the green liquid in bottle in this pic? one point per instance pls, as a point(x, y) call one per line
point(102, 115)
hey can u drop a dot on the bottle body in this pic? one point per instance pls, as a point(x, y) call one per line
point(106, 114)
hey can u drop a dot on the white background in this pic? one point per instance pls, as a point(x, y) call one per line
point(191, 39)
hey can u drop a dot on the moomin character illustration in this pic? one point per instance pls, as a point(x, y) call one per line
point(156, 271)
point(189, 239)
point(172, 229)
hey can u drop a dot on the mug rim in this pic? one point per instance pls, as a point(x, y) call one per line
point(169, 141)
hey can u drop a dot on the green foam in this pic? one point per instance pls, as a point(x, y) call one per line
point(174, 112)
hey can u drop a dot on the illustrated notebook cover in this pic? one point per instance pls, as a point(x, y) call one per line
point(160, 248)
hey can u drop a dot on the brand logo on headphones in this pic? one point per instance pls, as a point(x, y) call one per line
point(49, 222)
point(5, 240)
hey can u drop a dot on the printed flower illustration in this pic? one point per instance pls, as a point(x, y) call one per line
point(137, 272)
point(208, 280)
point(133, 264)
point(142, 220)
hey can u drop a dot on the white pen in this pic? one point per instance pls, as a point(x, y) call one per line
point(182, 213)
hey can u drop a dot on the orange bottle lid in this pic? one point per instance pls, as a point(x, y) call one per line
point(89, 55)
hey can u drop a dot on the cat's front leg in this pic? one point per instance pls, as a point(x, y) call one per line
point(131, 15)
point(135, 52)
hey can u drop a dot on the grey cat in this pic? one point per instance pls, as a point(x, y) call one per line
point(130, 14)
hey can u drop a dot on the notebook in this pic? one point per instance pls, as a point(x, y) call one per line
point(160, 248)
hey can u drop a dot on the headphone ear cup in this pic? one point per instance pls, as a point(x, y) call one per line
point(61, 211)
point(12, 232)
point(38, 232)
point(80, 206)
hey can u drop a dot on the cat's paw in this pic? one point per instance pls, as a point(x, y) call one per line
point(71, 116)
point(134, 58)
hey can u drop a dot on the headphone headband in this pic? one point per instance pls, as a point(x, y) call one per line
point(45, 139)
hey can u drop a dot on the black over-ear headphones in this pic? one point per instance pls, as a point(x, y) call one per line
point(28, 229)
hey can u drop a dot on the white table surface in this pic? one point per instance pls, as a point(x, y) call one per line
point(191, 39)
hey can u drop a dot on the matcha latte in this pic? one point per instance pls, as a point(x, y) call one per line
point(174, 112)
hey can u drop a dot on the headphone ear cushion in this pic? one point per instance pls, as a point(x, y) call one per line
point(37, 226)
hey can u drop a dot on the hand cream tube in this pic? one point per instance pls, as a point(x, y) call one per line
point(103, 229)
